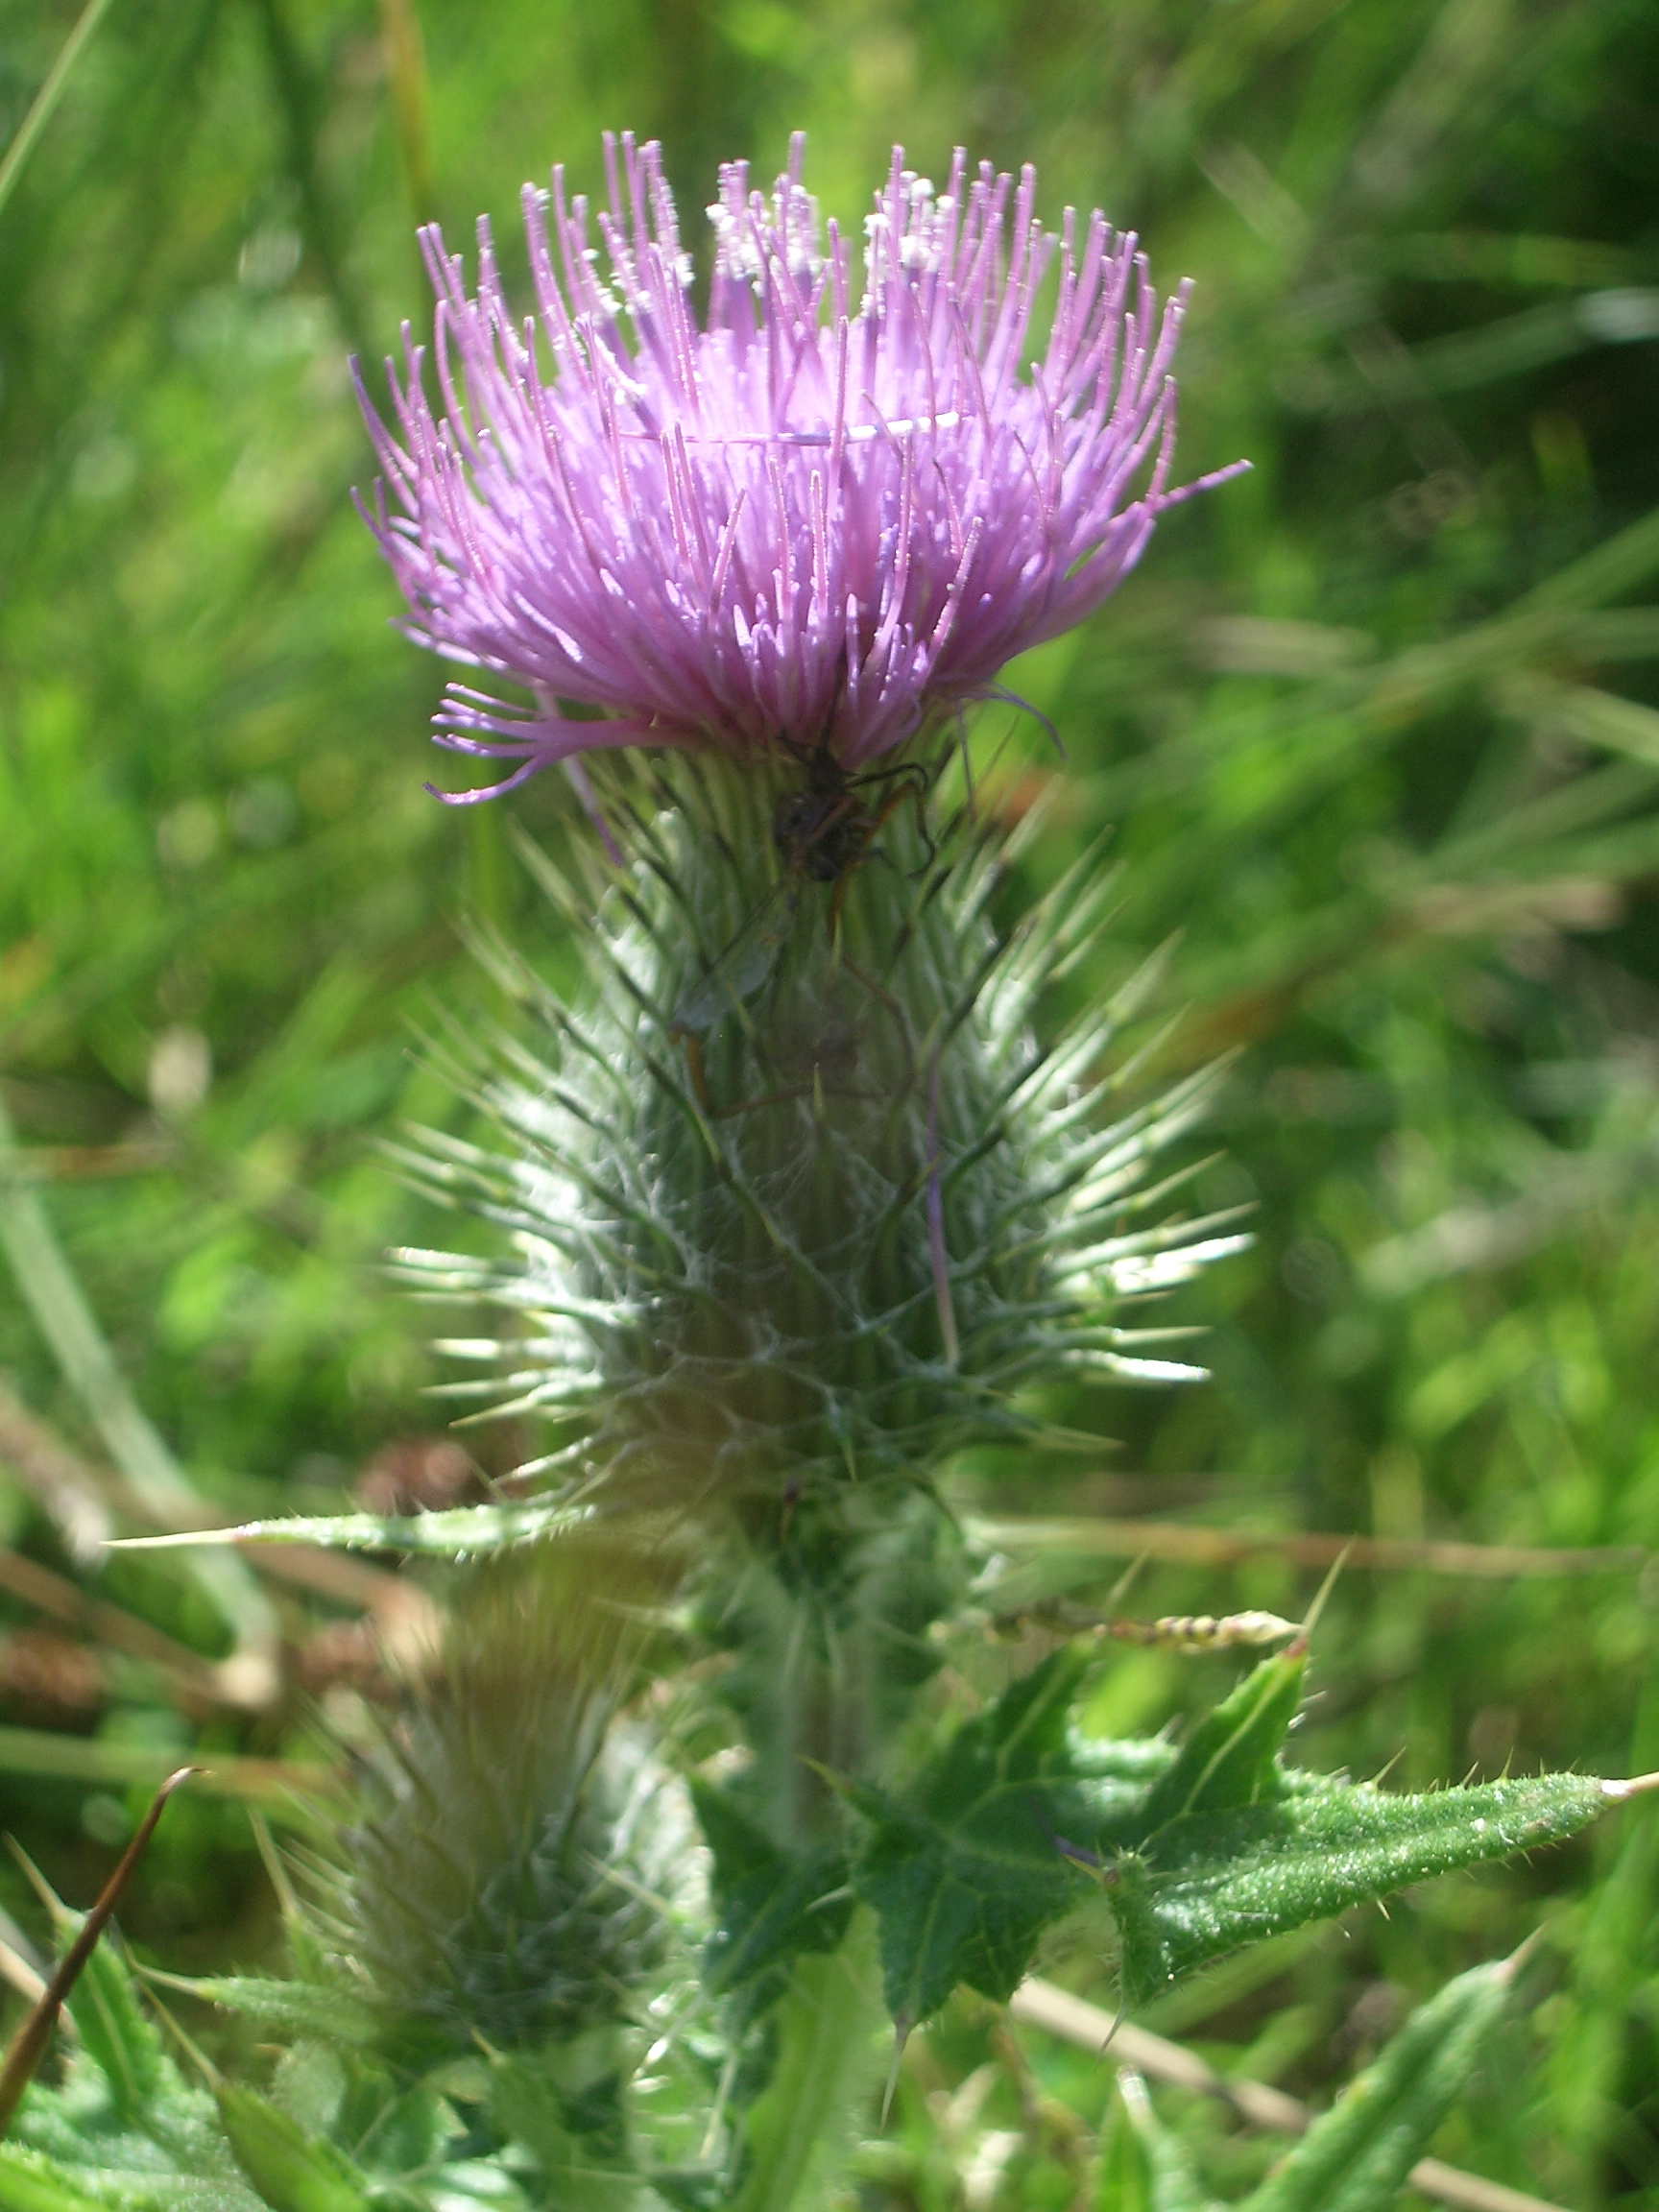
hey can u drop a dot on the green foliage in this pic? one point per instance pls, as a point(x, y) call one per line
point(1231, 1757)
point(576, 2141)
point(1210, 1882)
point(124, 2127)
point(32, 2183)
point(294, 2007)
point(117, 2036)
point(1143, 2167)
point(292, 2172)
point(1224, 1847)
point(770, 1905)
point(463, 1533)
point(967, 1872)
point(337, 2132)
point(1357, 2157)
point(827, 2059)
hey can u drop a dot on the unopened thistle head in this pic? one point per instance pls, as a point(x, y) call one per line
point(503, 1879)
point(826, 518)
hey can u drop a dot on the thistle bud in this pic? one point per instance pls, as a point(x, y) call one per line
point(499, 1881)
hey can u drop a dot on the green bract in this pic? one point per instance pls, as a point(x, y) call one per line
point(517, 1864)
point(798, 1203)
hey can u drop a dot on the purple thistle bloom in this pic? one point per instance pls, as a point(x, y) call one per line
point(817, 520)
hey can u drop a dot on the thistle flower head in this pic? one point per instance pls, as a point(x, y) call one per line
point(501, 1880)
point(826, 518)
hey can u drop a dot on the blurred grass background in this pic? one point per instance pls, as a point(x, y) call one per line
point(1378, 727)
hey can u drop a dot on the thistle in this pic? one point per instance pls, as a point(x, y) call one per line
point(799, 1205)
point(513, 1868)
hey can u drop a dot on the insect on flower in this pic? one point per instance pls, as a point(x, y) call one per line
point(821, 831)
point(825, 829)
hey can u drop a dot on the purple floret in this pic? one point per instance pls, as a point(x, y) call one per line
point(818, 520)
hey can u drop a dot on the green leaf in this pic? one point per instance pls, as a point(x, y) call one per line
point(1357, 2157)
point(971, 1867)
point(1122, 1762)
point(119, 2036)
point(830, 2049)
point(1210, 1882)
point(294, 2007)
point(293, 2171)
point(1125, 2168)
point(32, 2183)
point(1232, 1756)
point(772, 1904)
point(175, 2159)
point(1143, 2167)
point(585, 2172)
point(463, 1533)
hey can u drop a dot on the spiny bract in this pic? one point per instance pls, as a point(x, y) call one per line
point(500, 1882)
point(797, 1200)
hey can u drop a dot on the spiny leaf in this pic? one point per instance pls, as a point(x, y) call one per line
point(1113, 1779)
point(1232, 1756)
point(293, 2171)
point(461, 1532)
point(826, 2063)
point(1211, 1882)
point(294, 2007)
point(773, 1905)
point(972, 1866)
point(1358, 2156)
point(120, 2038)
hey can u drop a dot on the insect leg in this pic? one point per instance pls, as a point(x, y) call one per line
point(914, 784)
point(694, 1068)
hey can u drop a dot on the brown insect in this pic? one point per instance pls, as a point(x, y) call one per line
point(822, 832)
point(824, 829)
